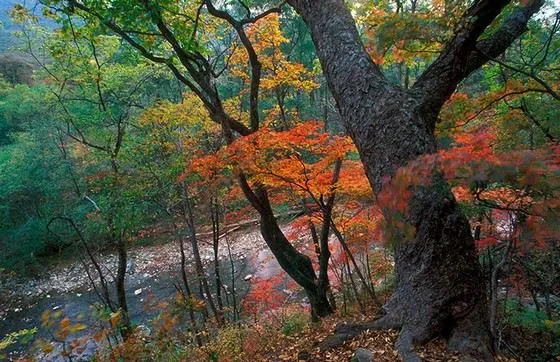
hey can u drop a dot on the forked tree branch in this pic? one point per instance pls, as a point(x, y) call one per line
point(465, 53)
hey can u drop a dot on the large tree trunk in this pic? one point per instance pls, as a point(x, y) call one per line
point(439, 290)
point(390, 127)
point(439, 286)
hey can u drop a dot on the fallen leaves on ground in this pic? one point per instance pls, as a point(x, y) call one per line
point(303, 346)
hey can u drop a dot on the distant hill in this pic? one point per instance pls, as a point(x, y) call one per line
point(8, 40)
point(7, 28)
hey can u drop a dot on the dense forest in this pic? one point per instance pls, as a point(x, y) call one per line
point(251, 180)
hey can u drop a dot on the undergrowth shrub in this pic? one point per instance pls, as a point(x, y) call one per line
point(293, 322)
point(530, 334)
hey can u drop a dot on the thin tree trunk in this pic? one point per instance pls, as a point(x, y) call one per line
point(233, 292)
point(535, 298)
point(118, 237)
point(494, 291)
point(201, 274)
point(344, 303)
point(189, 294)
point(120, 283)
point(215, 216)
point(547, 304)
point(354, 288)
point(369, 290)
point(105, 295)
point(296, 264)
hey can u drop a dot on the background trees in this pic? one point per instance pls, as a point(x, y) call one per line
point(166, 111)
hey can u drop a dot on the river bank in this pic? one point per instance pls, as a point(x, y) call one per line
point(153, 273)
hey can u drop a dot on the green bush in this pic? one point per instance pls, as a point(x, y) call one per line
point(531, 334)
point(523, 316)
point(293, 323)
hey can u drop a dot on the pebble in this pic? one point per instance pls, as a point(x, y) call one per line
point(138, 291)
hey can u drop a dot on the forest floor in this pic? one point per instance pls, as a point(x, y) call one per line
point(156, 260)
point(304, 346)
point(381, 345)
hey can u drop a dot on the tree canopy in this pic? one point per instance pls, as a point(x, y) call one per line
point(426, 129)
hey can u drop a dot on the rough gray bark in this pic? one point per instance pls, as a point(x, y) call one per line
point(439, 288)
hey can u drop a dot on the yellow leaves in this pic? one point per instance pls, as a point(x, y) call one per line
point(277, 71)
point(266, 33)
point(189, 113)
point(233, 106)
point(177, 129)
point(289, 74)
point(77, 327)
point(549, 324)
point(115, 318)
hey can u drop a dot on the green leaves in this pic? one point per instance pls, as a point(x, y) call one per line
point(22, 336)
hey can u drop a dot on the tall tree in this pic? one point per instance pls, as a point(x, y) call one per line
point(175, 34)
point(439, 287)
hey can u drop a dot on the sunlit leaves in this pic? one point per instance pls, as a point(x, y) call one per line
point(278, 71)
point(300, 158)
point(404, 33)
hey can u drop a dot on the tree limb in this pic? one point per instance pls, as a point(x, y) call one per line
point(464, 53)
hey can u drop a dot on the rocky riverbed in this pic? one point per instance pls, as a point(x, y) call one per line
point(152, 270)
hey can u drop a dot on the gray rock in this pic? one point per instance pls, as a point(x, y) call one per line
point(130, 266)
point(362, 355)
point(304, 356)
point(143, 330)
